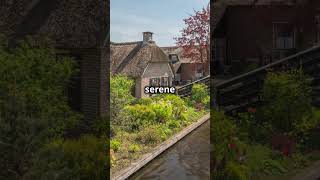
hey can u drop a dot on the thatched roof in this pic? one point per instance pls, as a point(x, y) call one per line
point(69, 23)
point(132, 58)
point(178, 51)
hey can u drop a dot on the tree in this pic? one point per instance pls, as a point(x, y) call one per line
point(195, 37)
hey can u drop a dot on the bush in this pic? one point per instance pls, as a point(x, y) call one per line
point(223, 135)
point(199, 92)
point(143, 101)
point(235, 171)
point(172, 124)
point(72, 159)
point(179, 104)
point(120, 96)
point(33, 103)
point(149, 135)
point(307, 131)
point(134, 148)
point(138, 116)
point(115, 145)
point(163, 110)
point(288, 98)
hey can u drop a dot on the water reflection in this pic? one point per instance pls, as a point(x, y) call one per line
point(187, 160)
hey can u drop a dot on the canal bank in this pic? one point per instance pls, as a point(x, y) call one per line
point(134, 167)
point(186, 160)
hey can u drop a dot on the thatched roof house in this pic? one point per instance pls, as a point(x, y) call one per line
point(144, 61)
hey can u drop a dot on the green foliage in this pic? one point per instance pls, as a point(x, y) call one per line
point(222, 134)
point(71, 159)
point(172, 124)
point(178, 104)
point(138, 116)
point(253, 130)
point(235, 171)
point(165, 132)
point(307, 132)
point(163, 110)
point(115, 145)
point(33, 105)
point(199, 93)
point(262, 160)
point(134, 148)
point(120, 96)
point(206, 101)
point(149, 135)
point(143, 101)
point(288, 96)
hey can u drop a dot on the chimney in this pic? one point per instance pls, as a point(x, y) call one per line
point(147, 37)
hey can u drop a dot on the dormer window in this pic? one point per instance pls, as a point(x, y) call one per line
point(174, 58)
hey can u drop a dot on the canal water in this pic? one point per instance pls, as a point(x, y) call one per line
point(186, 160)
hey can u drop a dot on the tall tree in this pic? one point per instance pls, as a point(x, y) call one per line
point(195, 36)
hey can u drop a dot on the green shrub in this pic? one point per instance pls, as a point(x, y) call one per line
point(172, 124)
point(189, 114)
point(33, 103)
point(206, 101)
point(138, 116)
point(223, 133)
point(199, 92)
point(134, 148)
point(251, 129)
point(178, 104)
point(288, 96)
point(120, 96)
point(143, 101)
point(307, 132)
point(85, 158)
point(163, 110)
point(149, 135)
point(115, 144)
point(256, 156)
point(235, 171)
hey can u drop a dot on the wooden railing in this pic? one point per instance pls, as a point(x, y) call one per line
point(241, 92)
point(185, 90)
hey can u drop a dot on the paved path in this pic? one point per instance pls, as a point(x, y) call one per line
point(310, 173)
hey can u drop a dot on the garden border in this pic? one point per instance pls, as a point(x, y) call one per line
point(144, 160)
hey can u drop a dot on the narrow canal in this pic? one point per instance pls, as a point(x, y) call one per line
point(186, 160)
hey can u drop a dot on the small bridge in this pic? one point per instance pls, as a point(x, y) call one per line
point(243, 91)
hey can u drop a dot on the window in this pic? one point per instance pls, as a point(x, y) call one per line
point(160, 81)
point(283, 36)
point(174, 58)
point(164, 81)
point(154, 82)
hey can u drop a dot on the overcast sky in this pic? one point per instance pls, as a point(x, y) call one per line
point(129, 18)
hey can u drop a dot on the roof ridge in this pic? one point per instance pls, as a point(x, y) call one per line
point(125, 43)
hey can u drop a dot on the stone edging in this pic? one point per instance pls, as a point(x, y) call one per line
point(145, 159)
